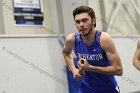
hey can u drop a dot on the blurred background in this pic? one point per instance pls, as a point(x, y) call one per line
point(116, 17)
point(32, 34)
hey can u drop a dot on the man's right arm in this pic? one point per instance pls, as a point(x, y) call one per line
point(67, 53)
point(136, 59)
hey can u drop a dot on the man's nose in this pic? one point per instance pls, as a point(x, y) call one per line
point(81, 23)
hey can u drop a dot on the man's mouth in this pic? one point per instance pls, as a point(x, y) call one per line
point(82, 30)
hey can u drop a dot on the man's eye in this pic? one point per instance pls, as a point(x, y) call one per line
point(84, 20)
point(77, 21)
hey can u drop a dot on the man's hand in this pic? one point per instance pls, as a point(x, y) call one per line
point(77, 75)
point(83, 64)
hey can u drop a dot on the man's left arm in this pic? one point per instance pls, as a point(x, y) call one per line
point(108, 46)
point(136, 59)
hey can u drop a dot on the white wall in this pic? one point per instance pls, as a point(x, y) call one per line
point(32, 65)
point(36, 65)
point(129, 82)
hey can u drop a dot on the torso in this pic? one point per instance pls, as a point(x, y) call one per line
point(95, 56)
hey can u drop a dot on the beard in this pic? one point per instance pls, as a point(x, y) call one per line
point(85, 32)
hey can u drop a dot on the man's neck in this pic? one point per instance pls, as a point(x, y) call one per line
point(89, 39)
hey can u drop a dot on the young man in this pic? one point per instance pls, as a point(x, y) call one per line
point(96, 48)
point(136, 60)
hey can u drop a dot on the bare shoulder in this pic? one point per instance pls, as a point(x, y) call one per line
point(106, 41)
point(69, 38)
point(138, 43)
point(105, 38)
point(69, 44)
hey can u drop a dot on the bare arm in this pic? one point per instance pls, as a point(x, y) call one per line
point(109, 47)
point(111, 52)
point(67, 53)
point(136, 59)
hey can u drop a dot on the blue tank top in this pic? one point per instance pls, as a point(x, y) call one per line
point(96, 57)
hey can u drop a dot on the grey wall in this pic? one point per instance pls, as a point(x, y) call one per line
point(32, 65)
point(129, 82)
point(36, 65)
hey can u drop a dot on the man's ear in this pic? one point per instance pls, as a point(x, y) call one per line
point(94, 21)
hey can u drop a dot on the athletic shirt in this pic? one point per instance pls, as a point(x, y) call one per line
point(96, 57)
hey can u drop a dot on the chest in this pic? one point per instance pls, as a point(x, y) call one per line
point(93, 54)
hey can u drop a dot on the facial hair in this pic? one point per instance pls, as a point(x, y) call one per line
point(90, 30)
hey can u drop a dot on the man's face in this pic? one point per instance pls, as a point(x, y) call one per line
point(84, 23)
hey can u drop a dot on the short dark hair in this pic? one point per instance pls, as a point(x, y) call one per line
point(84, 9)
